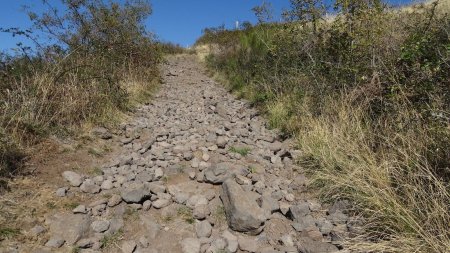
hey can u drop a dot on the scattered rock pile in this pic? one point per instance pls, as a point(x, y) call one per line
point(199, 156)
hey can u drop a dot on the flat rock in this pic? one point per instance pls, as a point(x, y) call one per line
point(248, 244)
point(100, 226)
point(70, 227)
point(55, 242)
point(89, 186)
point(307, 245)
point(232, 241)
point(203, 229)
point(128, 246)
point(135, 193)
point(299, 211)
point(161, 203)
point(73, 178)
point(190, 245)
point(241, 209)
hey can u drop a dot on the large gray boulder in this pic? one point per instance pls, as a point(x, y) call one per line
point(242, 211)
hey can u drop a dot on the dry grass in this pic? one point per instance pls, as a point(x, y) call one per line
point(37, 105)
point(393, 186)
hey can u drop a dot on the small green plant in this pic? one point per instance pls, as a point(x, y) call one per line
point(252, 169)
point(167, 218)
point(186, 214)
point(109, 240)
point(165, 178)
point(7, 233)
point(76, 250)
point(71, 205)
point(50, 205)
point(96, 171)
point(95, 152)
point(243, 151)
point(219, 214)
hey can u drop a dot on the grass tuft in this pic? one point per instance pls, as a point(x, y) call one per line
point(243, 151)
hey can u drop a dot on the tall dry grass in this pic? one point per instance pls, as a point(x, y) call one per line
point(404, 202)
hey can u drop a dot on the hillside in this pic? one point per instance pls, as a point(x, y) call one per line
point(366, 95)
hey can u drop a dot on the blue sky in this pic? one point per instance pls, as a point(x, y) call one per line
point(178, 21)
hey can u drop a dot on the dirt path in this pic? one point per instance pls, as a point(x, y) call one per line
point(194, 171)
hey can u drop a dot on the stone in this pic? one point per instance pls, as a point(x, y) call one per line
point(143, 241)
point(243, 180)
point(190, 245)
point(287, 240)
point(341, 205)
point(100, 226)
point(98, 202)
point(195, 200)
point(248, 244)
point(73, 178)
point(269, 204)
point(195, 163)
point(232, 241)
point(218, 245)
point(80, 209)
point(289, 197)
point(217, 173)
point(107, 185)
point(338, 217)
point(71, 227)
point(55, 242)
point(304, 223)
point(114, 200)
point(128, 246)
point(156, 187)
point(221, 142)
point(205, 157)
point(241, 209)
point(313, 233)
point(180, 197)
point(61, 192)
point(284, 207)
point(145, 176)
point(159, 173)
point(146, 205)
point(85, 243)
point(299, 211)
point(201, 211)
point(203, 229)
point(89, 186)
point(325, 227)
point(135, 193)
point(307, 245)
point(98, 210)
point(161, 203)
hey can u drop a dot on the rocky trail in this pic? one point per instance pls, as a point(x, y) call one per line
point(196, 170)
